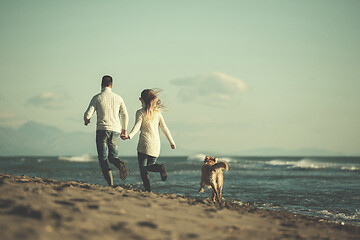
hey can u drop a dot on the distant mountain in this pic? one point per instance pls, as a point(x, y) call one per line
point(34, 138)
point(272, 151)
point(38, 139)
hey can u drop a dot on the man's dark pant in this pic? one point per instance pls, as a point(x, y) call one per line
point(107, 144)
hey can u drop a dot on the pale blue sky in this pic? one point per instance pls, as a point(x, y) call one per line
point(298, 63)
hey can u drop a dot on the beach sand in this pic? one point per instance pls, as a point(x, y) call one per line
point(35, 208)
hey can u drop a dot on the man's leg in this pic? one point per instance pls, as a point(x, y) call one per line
point(102, 148)
point(113, 144)
point(142, 159)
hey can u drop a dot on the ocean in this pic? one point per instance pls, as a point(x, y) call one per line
point(322, 187)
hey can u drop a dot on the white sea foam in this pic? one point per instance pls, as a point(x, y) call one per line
point(340, 215)
point(196, 157)
point(350, 168)
point(200, 157)
point(308, 163)
point(277, 162)
point(82, 158)
point(225, 159)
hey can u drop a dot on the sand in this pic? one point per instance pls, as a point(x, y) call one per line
point(35, 208)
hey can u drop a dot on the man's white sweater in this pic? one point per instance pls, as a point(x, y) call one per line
point(108, 107)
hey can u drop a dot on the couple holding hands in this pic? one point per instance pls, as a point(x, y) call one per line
point(109, 108)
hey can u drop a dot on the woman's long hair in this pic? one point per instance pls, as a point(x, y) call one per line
point(152, 102)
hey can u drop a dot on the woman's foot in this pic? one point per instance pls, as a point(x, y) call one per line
point(146, 182)
point(163, 173)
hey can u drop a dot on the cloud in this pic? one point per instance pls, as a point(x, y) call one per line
point(48, 100)
point(9, 119)
point(5, 116)
point(216, 89)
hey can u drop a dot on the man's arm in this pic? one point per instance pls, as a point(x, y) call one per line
point(89, 112)
point(124, 118)
point(86, 122)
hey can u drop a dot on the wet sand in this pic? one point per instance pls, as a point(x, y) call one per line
point(35, 208)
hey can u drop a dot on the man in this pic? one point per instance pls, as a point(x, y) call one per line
point(108, 107)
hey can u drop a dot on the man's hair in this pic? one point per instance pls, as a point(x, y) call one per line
point(106, 81)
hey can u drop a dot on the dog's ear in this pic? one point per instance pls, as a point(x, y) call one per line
point(216, 160)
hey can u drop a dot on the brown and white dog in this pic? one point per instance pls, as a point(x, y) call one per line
point(212, 176)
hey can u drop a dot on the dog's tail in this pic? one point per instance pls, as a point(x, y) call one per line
point(221, 165)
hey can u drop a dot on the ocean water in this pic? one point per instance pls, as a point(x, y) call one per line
point(323, 187)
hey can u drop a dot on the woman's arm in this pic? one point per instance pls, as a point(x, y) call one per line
point(166, 131)
point(137, 125)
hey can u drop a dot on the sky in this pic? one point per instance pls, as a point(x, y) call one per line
point(236, 75)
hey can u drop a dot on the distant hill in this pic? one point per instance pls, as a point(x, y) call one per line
point(38, 139)
point(272, 151)
point(34, 138)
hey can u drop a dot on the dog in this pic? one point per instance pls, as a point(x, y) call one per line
point(212, 176)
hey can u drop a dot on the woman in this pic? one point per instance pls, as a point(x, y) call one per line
point(148, 120)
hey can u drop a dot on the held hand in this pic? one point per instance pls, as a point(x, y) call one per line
point(125, 137)
point(173, 146)
point(86, 122)
point(123, 133)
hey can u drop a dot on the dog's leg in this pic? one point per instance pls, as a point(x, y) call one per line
point(202, 185)
point(220, 190)
point(214, 192)
point(220, 182)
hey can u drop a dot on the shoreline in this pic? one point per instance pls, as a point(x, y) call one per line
point(36, 208)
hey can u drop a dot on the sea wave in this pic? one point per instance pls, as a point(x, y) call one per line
point(340, 215)
point(196, 157)
point(200, 157)
point(308, 163)
point(226, 159)
point(82, 158)
point(350, 168)
point(303, 163)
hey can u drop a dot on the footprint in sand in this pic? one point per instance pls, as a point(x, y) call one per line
point(232, 229)
point(65, 203)
point(288, 224)
point(210, 210)
point(5, 203)
point(79, 200)
point(55, 215)
point(192, 235)
point(147, 205)
point(60, 188)
point(86, 186)
point(93, 206)
point(118, 226)
point(26, 211)
point(147, 224)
